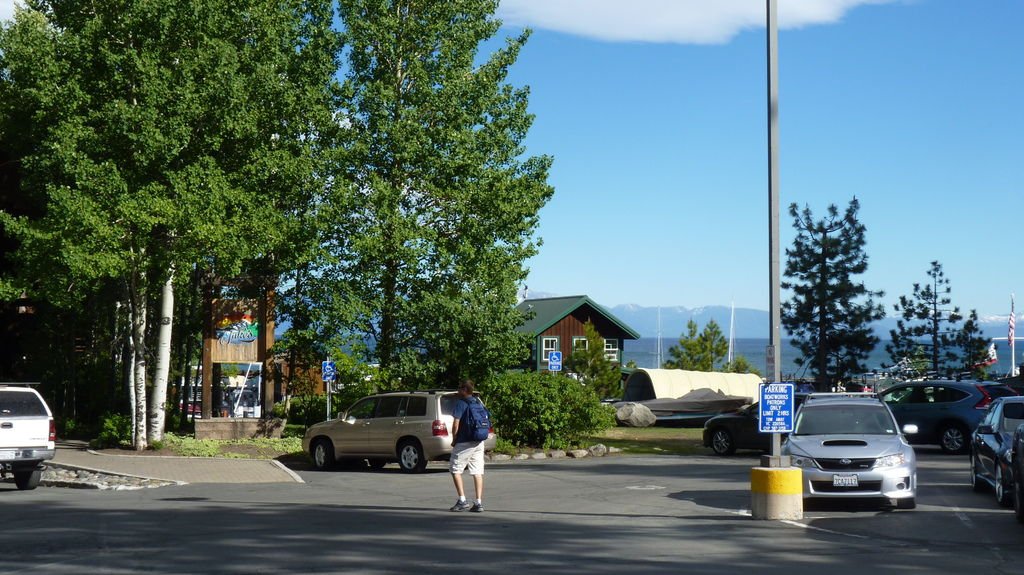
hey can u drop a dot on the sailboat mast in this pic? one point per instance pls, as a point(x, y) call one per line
point(732, 342)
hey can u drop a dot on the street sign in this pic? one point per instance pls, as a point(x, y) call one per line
point(554, 361)
point(776, 403)
point(327, 371)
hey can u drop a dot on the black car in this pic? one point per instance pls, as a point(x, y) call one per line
point(1017, 471)
point(944, 411)
point(726, 433)
point(992, 448)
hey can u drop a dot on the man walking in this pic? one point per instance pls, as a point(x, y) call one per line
point(466, 451)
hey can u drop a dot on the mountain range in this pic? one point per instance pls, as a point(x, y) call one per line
point(748, 323)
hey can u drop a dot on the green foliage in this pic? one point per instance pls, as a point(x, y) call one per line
point(973, 347)
point(115, 431)
point(592, 367)
point(927, 322)
point(544, 410)
point(433, 202)
point(259, 448)
point(698, 352)
point(830, 313)
point(741, 364)
point(292, 430)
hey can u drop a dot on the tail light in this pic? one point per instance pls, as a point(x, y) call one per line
point(53, 431)
point(439, 429)
point(985, 398)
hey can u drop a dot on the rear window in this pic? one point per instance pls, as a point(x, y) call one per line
point(20, 403)
point(999, 391)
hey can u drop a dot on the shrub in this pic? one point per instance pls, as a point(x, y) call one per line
point(115, 430)
point(544, 410)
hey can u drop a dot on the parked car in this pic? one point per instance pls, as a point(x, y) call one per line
point(27, 435)
point(945, 412)
point(1017, 472)
point(849, 446)
point(410, 427)
point(727, 432)
point(992, 448)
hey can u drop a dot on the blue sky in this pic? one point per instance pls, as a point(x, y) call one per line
point(655, 114)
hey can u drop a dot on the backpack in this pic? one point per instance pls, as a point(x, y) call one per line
point(476, 420)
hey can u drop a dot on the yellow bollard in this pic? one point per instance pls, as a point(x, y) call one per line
point(776, 493)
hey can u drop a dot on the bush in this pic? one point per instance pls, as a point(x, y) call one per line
point(293, 430)
point(544, 410)
point(115, 431)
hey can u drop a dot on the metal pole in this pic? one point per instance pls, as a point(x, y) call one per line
point(774, 289)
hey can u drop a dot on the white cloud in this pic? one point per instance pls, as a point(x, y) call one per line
point(669, 21)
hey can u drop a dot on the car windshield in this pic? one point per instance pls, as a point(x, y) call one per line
point(844, 420)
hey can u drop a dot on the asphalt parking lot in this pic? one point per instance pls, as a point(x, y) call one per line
point(610, 515)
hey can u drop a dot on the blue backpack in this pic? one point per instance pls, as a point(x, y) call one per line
point(476, 420)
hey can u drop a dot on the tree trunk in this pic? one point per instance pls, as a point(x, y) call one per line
point(158, 401)
point(137, 295)
point(129, 366)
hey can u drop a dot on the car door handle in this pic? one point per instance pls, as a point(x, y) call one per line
point(7, 425)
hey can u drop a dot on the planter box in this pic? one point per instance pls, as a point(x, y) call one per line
point(238, 428)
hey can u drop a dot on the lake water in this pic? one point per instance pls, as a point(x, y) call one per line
point(643, 351)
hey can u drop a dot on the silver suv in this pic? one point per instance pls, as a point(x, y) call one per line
point(27, 435)
point(410, 427)
point(849, 446)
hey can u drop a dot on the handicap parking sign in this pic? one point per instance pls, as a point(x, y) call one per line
point(327, 371)
point(554, 361)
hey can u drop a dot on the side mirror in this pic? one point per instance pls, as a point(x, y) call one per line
point(909, 429)
point(985, 429)
point(349, 419)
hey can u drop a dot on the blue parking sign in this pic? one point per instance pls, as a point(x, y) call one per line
point(554, 361)
point(776, 404)
point(327, 371)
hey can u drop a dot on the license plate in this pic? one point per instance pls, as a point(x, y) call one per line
point(844, 481)
point(8, 453)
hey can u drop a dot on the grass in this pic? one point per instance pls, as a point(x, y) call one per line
point(234, 448)
point(654, 440)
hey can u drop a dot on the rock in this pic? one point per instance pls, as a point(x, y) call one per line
point(556, 454)
point(500, 457)
point(579, 453)
point(612, 450)
point(634, 415)
point(521, 456)
point(598, 450)
point(539, 455)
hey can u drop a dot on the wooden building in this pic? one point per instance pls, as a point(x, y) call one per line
point(556, 324)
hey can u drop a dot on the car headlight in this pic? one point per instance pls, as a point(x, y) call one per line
point(801, 461)
point(893, 460)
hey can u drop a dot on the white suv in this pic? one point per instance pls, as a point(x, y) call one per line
point(27, 435)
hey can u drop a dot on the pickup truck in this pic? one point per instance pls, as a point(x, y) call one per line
point(27, 435)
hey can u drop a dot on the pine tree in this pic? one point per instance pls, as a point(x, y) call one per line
point(698, 352)
point(592, 367)
point(829, 314)
point(927, 321)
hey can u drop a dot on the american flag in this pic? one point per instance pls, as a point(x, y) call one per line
point(1012, 323)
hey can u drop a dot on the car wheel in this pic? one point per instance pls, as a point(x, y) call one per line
point(29, 479)
point(977, 485)
point(722, 443)
point(953, 439)
point(323, 454)
point(908, 503)
point(1003, 495)
point(378, 463)
point(410, 456)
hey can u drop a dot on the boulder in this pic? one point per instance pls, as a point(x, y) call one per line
point(634, 415)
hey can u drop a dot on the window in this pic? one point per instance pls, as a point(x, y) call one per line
point(364, 409)
point(390, 406)
point(611, 350)
point(548, 344)
point(580, 343)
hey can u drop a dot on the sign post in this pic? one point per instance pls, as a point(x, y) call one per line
point(328, 373)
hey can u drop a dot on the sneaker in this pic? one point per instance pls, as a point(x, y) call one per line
point(460, 506)
point(477, 508)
